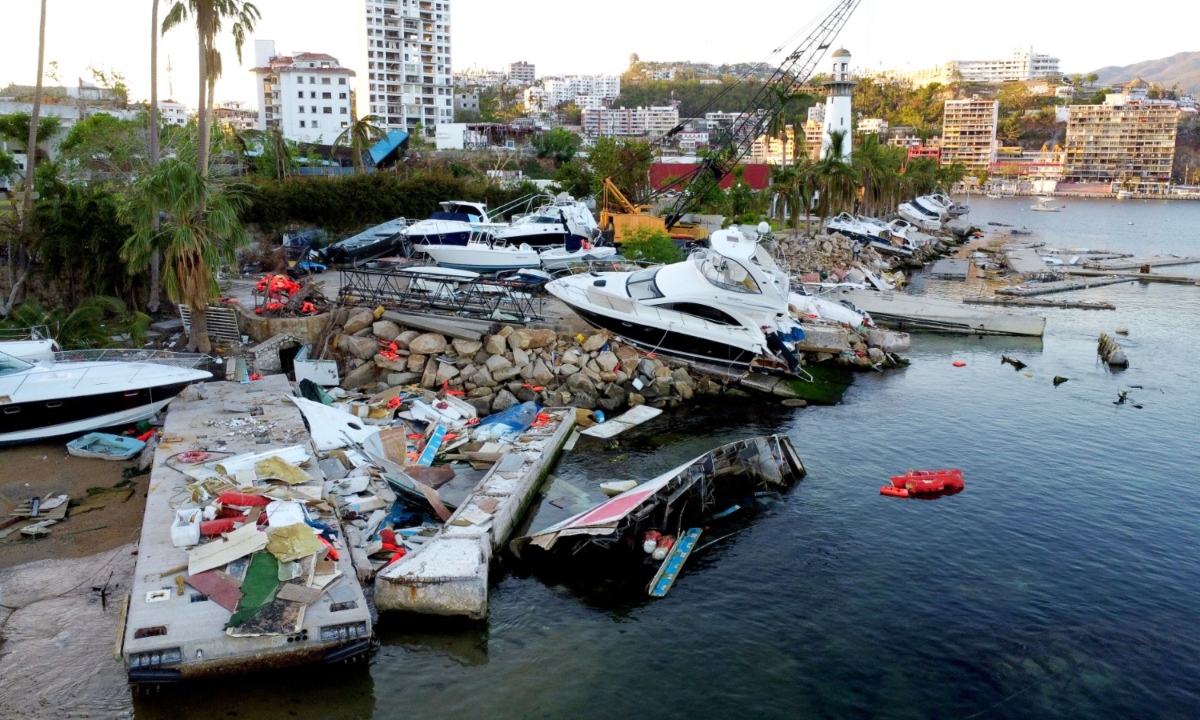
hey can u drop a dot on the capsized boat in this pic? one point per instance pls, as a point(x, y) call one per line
point(383, 239)
point(695, 492)
point(48, 399)
point(454, 224)
point(104, 446)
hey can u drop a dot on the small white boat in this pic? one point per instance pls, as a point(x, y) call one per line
point(103, 446)
point(994, 196)
point(1043, 205)
point(483, 253)
point(559, 258)
point(1124, 195)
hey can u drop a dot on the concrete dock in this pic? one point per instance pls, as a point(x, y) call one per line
point(950, 269)
point(448, 575)
point(1025, 261)
point(1140, 277)
point(1133, 263)
point(1041, 302)
point(174, 631)
point(1046, 288)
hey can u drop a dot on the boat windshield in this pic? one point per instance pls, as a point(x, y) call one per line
point(726, 274)
point(10, 364)
point(641, 285)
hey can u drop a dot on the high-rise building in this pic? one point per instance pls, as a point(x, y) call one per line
point(1024, 64)
point(407, 63)
point(521, 74)
point(969, 132)
point(1121, 140)
point(837, 119)
point(306, 95)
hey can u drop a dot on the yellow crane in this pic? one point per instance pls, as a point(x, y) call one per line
point(619, 216)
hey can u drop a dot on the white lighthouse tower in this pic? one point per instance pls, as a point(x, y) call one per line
point(839, 87)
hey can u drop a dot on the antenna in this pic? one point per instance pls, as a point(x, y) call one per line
point(170, 87)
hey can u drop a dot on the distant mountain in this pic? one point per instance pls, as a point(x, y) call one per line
point(1182, 68)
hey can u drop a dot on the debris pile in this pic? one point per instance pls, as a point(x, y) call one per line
point(514, 365)
point(281, 296)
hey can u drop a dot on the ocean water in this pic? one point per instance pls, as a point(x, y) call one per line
point(1063, 582)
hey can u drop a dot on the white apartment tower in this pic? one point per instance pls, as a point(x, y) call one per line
point(306, 95)
point(406, 54)
point(839, 87)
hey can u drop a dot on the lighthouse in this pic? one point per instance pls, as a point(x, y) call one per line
point(838, 89)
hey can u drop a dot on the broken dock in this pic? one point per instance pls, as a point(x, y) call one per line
point(1032, 289)
point(192, 613)
point(448, 574)
point(1134, 263)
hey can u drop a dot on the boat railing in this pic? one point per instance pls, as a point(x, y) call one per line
point(155, 357)
point(33, 332)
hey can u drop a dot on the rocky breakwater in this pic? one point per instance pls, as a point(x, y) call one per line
point(510, 366)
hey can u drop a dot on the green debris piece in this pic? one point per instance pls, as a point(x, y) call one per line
point(258, 589)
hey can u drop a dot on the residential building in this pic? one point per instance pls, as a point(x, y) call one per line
point(692, 140)
point(306, 95)
point(466, 102)
point(876, 126)
point(479, 78)
point(660, 120)
point(813, 130)
point(68, 111)
point(1121, 140)
point(234, 114)
point(654, 121)
point(838, 89)
point(743, 126)
point(407, 64)
point(1024, 64)
point(558, 90)
point(969, 132)
point(521, 74)
point(773, 150)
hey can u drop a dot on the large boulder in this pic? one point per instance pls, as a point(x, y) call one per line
point(584, 399)
point(363, 348)
point(541, 373)
point(520, 357)
point(445, 371)
point(359, 319)
point(483, 377)
point(481, 392)
point(399, 365)
point(364, 374)
point(503, 401)
point(607, 361)
point(498, 362)
point(580, 382)
point(404, 338)
point(429, 377)
point(428, 344)
point(646, 367)
point(482, 405)
point(416, 363)
point(529, 338)
point(466, 348)
point(567, 369)
point(402, 378)
point(495, 344)
point(385, 330)
point(507, 373)
point(595, 342)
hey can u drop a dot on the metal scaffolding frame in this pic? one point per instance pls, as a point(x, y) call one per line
point(424, 289)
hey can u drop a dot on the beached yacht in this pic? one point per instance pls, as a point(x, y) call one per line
point(454, 224)
point(551, 224)
point(483, 253)
point(47, 399)
point(383, 239)
point(727, 304)
point(920, 216)
point(943, 202)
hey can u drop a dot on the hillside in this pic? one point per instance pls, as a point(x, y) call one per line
point(1182, 68)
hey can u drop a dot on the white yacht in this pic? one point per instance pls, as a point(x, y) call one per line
point(1044, 205)
point(727, 304)
point(483, 253)
point(946, 204)
point(454, 224)
point(550, 225)
point(46, 399)
point(922, 217)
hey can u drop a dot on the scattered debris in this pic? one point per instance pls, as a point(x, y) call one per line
point(1111, 352)
point(1059, 380)
point(1017, 364)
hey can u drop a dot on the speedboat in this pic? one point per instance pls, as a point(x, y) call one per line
point(51, 398)
point(726, 304)
point(920, 216)
point(943, 202)
point(374, 242)
point(483, 253)
point(575, 250)
point(858, 229)
point(901, 311)
point(1043, 205)
point(454, 224)
point(551, 224)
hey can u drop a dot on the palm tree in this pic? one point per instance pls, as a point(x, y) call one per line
point(15, 284)
point(155, 257)
point(359, 136)
point(838, 178)
point(878, 168)
point(202, 232)
point(209, 16)
point(782, 119)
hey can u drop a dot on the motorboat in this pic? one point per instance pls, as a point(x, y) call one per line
point(946, 204)
point(46, 399)
point(454, 224)
point(901, 311)
point(483, 253)
point(103, 446)
point(726, 304)
point(560, 258)
point(1124, 195)
point(30, 350)
point(864, 231)
point(1044, 205)
point(923, 218)
point(551, 224)
point(383, 239)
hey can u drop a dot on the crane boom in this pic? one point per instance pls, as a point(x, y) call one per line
point(793, 72)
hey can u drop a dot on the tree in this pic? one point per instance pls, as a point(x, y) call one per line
point(15, 282)
point(359, 136)
point(152, 141)
point(105, 149)
point(650, 245)
point(878, 167)
point(209, 16)
point(558, 144)
point(838, 178)
point(202, 231)
point(1092, 79)
point(626, 162)
point(574, 178)
point(15, 127)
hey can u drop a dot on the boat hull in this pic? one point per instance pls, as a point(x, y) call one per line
point(457, 237)
point(42, 419)
point(666, 341)
point(481, 258)
point(907, 312)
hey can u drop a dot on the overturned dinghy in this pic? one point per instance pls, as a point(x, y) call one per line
point(694, 492)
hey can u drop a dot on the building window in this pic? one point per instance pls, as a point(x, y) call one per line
point(325, 81)
point(341, 96)
point(301, 122)
point(300, 109)
point(312, 79)
point(299, 79)
point(314, 109)
point(344, 111)
point(328, 110)
point(314, 123)
point(345, 124)
point(341, 81)
point(312, 94)
point(301, 94)
point(326, 96)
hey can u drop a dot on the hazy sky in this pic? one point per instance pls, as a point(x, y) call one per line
point(577, 37)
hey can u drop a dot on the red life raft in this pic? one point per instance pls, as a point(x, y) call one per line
point(919, 482)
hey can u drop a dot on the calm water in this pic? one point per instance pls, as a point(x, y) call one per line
point(1063, 582)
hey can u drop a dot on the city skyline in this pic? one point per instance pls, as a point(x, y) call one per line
point(73, 28)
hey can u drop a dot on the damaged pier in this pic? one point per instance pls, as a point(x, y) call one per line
point(448, 575)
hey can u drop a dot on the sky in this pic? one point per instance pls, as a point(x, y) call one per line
point(574, 37)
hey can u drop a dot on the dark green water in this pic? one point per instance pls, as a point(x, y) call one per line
point(1063, 582)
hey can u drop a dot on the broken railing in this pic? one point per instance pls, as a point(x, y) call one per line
point(425, 288)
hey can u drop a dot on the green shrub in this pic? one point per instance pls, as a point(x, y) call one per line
point(651, 245)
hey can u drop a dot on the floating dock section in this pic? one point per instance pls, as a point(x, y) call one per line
point(950, 269)
point(1025, 261)
point(1046, 288)
point(178, 613)
point(448, 575)
point(1134, 263)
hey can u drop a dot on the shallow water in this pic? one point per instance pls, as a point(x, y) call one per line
point(1062, 583)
